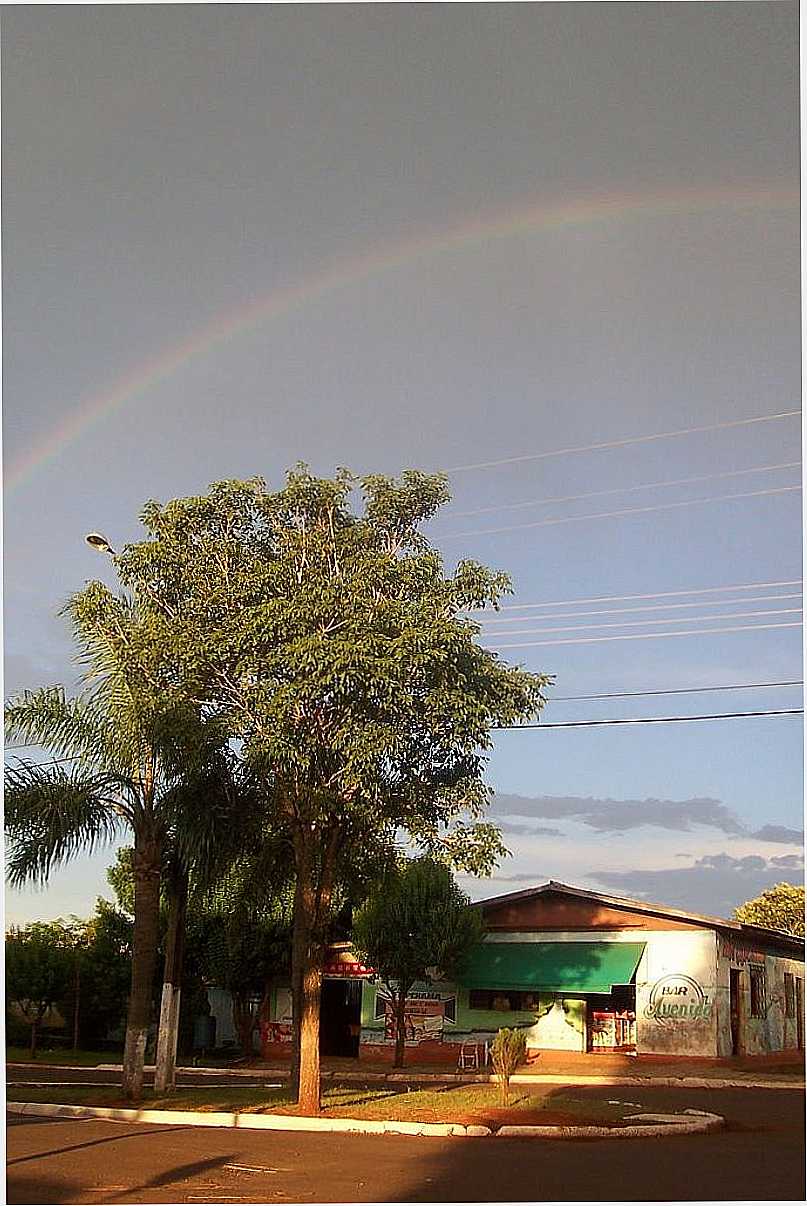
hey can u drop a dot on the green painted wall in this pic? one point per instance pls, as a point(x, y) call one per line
point(478, 1020)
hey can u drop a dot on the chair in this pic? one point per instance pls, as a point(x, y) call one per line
point(468, 1056)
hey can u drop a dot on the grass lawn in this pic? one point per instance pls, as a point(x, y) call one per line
point(479, 1104)
point(22, 1055)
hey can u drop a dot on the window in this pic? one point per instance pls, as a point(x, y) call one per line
point(757, 992)
point(790, 995)
point(501, 1000)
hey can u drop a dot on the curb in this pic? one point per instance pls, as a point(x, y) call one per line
point(249, 1122)
point(675, 1124)
point(414, 1077)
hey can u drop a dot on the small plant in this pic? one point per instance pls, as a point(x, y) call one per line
point(507, 1051)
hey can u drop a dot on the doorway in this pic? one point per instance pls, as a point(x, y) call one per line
point(340, 1018)
point(799, 1013)
point(735, 1010)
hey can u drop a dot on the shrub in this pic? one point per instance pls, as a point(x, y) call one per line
point(507, 1051)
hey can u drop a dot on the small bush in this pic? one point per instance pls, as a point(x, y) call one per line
point(507, 1051)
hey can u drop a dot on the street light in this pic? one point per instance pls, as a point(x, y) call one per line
point(100, 543)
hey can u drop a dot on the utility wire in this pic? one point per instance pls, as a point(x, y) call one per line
point(670, 506)
point(792, 682)
point(660, 594)
point(590, 724)
point(734, 615)
point(681, 481)
point(642, 636)
point(618, 611)
point(645, 439)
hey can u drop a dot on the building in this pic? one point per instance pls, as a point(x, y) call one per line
point(579, 971)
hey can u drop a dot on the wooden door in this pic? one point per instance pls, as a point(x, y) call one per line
point(735, 1010)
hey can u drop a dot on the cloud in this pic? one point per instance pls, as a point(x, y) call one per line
point(606, 815)
point(715, 884)
point(529, 830)
point(779, 833)
point(617, 816)
point(788, 862)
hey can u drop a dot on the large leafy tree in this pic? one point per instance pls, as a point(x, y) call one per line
point(38, 967)
point(780, 908)
point(417, 925)
point(118, 754)
point(240, 928)
point(331, 643)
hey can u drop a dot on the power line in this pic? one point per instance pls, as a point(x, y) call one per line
point(681, 481)
point(670, 506)
point(617, 611)
point(734, 615)
point(642, 636)
point(661, 594)
point(591, 724)
point(792, 682)
point(645, 439)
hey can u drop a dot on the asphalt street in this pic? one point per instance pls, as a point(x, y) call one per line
point(759, 1156)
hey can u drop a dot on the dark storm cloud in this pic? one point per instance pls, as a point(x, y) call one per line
point(715, 884)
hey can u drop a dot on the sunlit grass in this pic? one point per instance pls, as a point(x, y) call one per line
point(395, 1103)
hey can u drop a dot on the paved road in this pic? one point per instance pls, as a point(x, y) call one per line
point(760, 1156)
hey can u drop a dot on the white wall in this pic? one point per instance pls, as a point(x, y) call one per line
point(676, 993)
point(221, 1006)
point(678, 968)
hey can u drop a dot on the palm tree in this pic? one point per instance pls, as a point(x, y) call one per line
point(120, 749)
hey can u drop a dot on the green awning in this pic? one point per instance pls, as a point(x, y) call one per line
point(554, 966)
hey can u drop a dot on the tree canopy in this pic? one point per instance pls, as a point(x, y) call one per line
point(416, 926)
point(779, 908)
point(37, 970)
point(328, 641)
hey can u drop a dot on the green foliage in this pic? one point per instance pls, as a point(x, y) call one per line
point(507, 1051)
point(332, 644)
point(417, 925)
point(780, 908)
point(37, 970)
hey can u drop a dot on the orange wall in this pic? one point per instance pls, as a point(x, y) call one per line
point(557, 912)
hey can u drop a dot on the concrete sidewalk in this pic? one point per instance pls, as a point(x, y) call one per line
point(549, 1068)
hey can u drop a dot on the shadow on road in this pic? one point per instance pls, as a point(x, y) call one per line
point(180, 1172)
point(73, 1147)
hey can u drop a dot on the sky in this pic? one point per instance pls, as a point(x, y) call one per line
point(443, 237)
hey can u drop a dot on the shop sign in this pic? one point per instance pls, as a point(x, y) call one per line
point(677, 998)
point(338, 968)
point(425, 1015)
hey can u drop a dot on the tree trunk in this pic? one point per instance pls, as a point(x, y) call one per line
point(299, 943)
point(146, 860)
point(34, 1026)
point(309, 1096)
point(306, 965)
point(400, 1026)
point(168, 1032)
point(312, 902)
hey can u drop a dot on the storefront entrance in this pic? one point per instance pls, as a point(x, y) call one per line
point(611, 1021)
point(340, 1018)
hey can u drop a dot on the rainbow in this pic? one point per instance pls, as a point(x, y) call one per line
point(341, 274)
